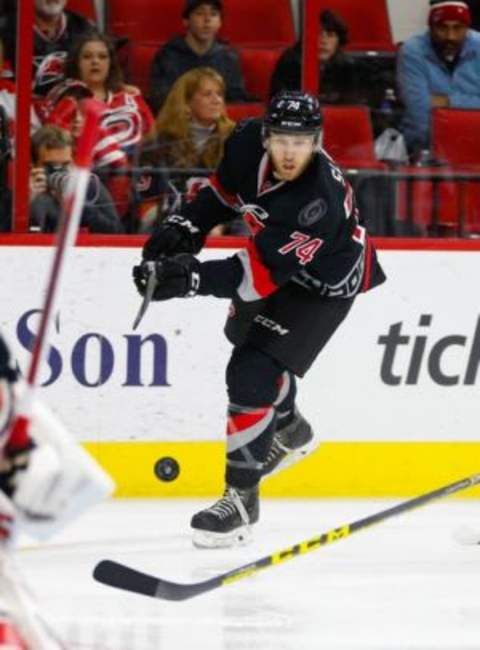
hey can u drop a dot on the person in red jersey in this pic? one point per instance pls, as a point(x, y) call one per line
point(92, 69)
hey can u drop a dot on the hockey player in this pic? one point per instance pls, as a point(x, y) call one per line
point(306, 260)
point(46, 480)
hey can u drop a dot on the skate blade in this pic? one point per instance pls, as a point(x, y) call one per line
point(295, 456)
point(208, 539)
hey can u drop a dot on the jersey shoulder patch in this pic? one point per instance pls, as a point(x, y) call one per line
point(312, 212)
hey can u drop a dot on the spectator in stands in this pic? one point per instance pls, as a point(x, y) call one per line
point(92, 64)
point(340, 81)
point(189, 132)
point(199, 47)
point(52, 158)
point(5, 156)
point(7, 93)
point(54, 30)
point(7, 96)
point(438, 68)
point(8, 9)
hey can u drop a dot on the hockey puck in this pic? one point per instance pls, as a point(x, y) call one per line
point(166, 469)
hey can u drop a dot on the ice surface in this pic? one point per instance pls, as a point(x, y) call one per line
point(402, 585)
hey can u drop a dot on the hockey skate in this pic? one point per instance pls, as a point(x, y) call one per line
point(290, 445)
point(228, 522)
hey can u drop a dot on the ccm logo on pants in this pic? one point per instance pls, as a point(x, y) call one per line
point(271, 325)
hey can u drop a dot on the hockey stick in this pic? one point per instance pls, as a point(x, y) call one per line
point(72, 209)
point(33, 627)
point(123, 577)
point(150, 290)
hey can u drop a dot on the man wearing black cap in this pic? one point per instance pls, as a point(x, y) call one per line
point(198, 47)
point(438, 68)
point(339, 78)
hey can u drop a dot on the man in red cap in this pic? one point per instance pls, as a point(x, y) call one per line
point(440, 67)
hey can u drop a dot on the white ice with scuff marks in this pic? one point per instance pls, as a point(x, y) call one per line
point(400, 585)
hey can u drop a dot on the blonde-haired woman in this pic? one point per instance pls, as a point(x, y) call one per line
point(189, 132)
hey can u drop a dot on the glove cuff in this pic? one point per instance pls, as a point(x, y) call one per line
point(193, 239)
point(194, 283)
point(193, 274)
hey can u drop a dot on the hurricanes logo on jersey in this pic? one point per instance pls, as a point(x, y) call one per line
point(313, 212)
point(124, 123)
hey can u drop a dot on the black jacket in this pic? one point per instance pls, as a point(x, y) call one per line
point(176, 57)
point(99, 216)
point(342, 80)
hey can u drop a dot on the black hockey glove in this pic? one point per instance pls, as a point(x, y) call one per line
point(177, 277)
point(7, 369)
point(12, 463)
point(174, 235)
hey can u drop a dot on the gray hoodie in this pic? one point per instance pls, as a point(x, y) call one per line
point(176, 57)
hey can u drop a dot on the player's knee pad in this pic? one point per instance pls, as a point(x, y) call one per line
point(252, 377)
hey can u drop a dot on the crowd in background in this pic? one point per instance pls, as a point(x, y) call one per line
point(156, 150)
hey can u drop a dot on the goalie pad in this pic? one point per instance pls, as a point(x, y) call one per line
point(7, 526)
point(19, 611)
point(6, 409)
point(8, 376)
point(60, 481)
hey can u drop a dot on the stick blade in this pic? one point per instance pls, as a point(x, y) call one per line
point(120, 576)
point(123, 577)
point(150, 290)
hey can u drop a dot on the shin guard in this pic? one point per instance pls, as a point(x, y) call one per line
point(249, 437)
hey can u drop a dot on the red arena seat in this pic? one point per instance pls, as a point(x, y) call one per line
point(144, 20)
point(420, 194)
point(237, 112)
point(266, 23)
point(455, 138)
point(257, 66)
point(138, 64)
point(348, 136)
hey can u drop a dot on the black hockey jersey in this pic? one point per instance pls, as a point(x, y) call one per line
point(49, 55)
point(305, 231)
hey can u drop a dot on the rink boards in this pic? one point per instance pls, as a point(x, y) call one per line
point(394, 396)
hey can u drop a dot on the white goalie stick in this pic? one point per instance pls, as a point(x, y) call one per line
point(115, 574)
point(73, 204)
point(24, 611)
